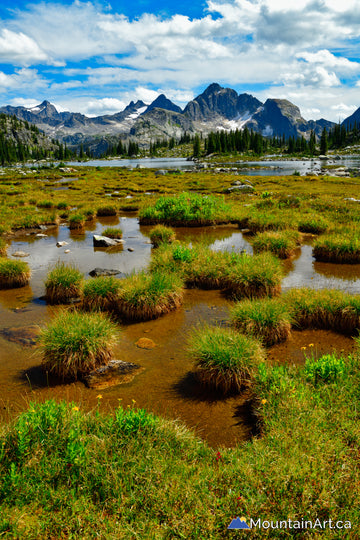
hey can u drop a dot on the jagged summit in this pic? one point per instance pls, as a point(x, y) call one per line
point(162, 102)
point(214, 109)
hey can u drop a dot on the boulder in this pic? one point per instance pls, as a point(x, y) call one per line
point(114, 373)
point(103, 241)
point(61, 244)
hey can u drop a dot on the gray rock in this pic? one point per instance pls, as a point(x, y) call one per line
point(131, 249)
point(61, 244)
point(20, 254)
point(103, 241)
point(103, 272)
point(41, 235)
point(160, 172)
point(114, 373)
point(242, 188)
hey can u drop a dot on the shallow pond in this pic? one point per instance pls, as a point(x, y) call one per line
point(167, 384)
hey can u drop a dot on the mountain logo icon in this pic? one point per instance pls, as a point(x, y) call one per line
point(238, 524)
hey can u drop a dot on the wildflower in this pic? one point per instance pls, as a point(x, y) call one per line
point(134, 401)
point(99, 396)
point(311, 344)
point(303, 348)
point(263, 401)
point(75, 408)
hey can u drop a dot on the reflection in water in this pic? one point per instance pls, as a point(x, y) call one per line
point(167, 385)
point(304, 273)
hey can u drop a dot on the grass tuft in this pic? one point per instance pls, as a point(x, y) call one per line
point(13, 274)
point(112, 232)
point(63, 283)
point(338, 248)
point(74, 343)
point(161, 235)
point(280, 243)
point(268, 319)
point(100, 293)
point(225, 360)
point(148, 296)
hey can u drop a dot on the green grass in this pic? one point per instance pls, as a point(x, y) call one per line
point(75, 343)
point(326, 308)
point(186, 209)
point(63, 283)
point(147, 296)
point(280, 243)
point(338, 248)
point(254, 276)
point(100, 293)
point(314, 225)
point(104, 211)
point(327, 368)
point(76, 221)
point(267, 319)
point(112, 232)
point(3, 247)
point(13, 273)
point(225, 360)
point(69, 473)
point(161, 235)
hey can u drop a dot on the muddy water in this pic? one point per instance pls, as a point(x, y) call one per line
point(167, 384)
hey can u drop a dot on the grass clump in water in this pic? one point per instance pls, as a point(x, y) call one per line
point(112, 232)
point(337, 248)
point(327, 308)
point(76, 221)
point(186, 209)
point(100, 293)
point(254, 276)
point(225, 360)
point(161, 235)
point(268, 319)
point(280, 243)
point(104, 211)
point(13, 274)
point(3, 247)
point(75, 343)
point(63, 283)
point(147, 296)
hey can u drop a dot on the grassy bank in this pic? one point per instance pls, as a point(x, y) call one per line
point(65, 473)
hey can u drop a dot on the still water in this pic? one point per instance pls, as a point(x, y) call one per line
point(167, 384)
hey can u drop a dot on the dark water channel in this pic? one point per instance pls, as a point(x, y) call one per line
point(166, 385)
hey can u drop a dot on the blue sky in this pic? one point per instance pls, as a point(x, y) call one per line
point(94, 57)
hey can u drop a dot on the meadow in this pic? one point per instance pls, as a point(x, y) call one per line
point(69, 471)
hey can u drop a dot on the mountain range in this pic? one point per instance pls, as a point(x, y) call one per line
point(216, 108)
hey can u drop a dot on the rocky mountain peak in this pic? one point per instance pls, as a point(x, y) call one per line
point(162, 102)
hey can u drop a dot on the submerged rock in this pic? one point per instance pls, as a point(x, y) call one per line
point(114, 373)
point(145, 343)
point(103, 272)
point(20, 254)
point(23, 335)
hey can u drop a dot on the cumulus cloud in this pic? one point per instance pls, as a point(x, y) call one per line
point(276, 43)
point(20, 49)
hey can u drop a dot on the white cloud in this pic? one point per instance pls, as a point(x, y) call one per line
point(104, 106)
point(280, 44)
point(20, 49)
point(22, 80)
